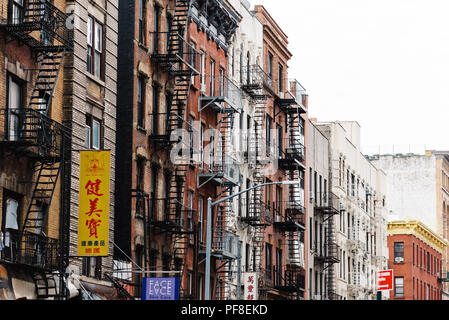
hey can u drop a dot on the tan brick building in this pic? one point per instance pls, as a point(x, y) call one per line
point(58, 73)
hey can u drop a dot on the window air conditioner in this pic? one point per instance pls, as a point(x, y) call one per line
point(398, 259)
point(203, 88)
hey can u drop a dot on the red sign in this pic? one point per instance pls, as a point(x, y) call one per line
point(385, 280)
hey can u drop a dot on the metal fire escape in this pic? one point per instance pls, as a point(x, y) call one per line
point(222, 171)
point(328, 209)
point(31, 132)
point(355, 246)
point(175, 58)
point(290, 219)
point(258, 216)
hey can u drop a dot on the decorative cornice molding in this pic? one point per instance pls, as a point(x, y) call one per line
point(420, 231)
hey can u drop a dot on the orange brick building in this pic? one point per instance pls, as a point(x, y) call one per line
point(415, 254)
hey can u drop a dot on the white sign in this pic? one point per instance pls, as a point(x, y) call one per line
point(250, 285)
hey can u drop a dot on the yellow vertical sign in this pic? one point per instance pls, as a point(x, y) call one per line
point(93, 212)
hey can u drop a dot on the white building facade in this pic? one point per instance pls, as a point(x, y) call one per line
point(361, 225)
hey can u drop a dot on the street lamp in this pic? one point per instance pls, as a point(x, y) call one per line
point(210, 205)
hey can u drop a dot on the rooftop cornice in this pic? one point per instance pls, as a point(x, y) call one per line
point(419, 230)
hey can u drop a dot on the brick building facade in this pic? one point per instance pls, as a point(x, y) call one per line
point(415, 255)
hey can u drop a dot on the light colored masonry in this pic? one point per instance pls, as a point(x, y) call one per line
point(88, 95)
point(362, 226)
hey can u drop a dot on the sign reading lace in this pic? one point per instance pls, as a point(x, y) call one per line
point(93, 211)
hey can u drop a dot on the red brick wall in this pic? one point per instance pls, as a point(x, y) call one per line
point(414, 270)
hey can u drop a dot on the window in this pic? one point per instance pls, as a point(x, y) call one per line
point(156, 29)
point(89, 266)
point(189, 283)
point(280, 78)
point(155, 124)
point(15, 104)
point(212, 77)
point(10, 227)
point(168, 103)
point(140, 173)
point(268, 260)
point(142, 19)
point(248, 68)
point(222, 82)
point(141, 102)
point(247, 257)
point(268, 133)
point(93, 133)
point(200, 218)
point(192, 59)
point(191, 138)
point(270, 67)
point(279, 140)
point(190, 198)
point(153, 188)
point(399, 286)
point(398, 252)
point(203, 70)
point(17, 11)
point(169, 22)
point(95, 56)
point(241, 67)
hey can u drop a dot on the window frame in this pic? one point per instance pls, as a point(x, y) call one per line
point(90, 121)
point(95, 48)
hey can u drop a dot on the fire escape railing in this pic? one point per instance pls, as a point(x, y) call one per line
point(40, 16)
point(223, 95)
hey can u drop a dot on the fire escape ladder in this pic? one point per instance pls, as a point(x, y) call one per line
point(37, 213)
point(257, 208)
point(219, 245)
point(332, 252)
point(222, 234)
point(50, 65)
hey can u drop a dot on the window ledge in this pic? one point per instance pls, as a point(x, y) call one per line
point(95, 79)
point(142, 46)
point(141, 129)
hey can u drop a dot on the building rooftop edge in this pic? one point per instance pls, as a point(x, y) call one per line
point(419, 230)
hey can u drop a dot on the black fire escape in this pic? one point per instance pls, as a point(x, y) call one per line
point(258, 215)
point(173, 55)
point(329, 256)
point(30, 132)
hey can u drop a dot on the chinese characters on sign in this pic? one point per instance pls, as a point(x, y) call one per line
point(250, 286)
point(93, 214)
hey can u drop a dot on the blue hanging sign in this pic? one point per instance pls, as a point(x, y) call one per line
point(160, 289)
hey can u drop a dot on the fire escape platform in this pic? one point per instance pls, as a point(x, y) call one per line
point(219, 104)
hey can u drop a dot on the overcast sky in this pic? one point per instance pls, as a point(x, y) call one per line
point(383, 63)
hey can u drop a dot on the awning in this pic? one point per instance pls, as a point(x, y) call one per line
point(94, 289)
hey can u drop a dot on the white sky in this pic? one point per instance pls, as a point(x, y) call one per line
point(383, 63)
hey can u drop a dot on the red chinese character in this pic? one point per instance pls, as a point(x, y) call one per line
point(92, 225)
point(250, 297)
point(250, 288)
point(93, 187)
point(251, 279)
point(96, 250)
point(93, 208)
point(88, 250)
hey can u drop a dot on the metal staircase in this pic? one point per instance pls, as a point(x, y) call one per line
point(175, 59)
point(42, 27)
